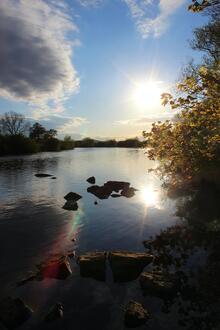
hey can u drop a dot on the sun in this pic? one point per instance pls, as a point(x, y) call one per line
point(147, 94)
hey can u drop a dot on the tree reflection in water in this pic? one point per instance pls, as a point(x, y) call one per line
point(192, 251)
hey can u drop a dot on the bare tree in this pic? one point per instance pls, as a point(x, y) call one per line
point(13, 123)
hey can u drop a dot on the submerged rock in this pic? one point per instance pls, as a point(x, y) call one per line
point(71, 206)
point(93, 264)
point(158, 283)
point(43, 175)
point(54, 178)
point(73, 197)
point(13, 312)
point(91, 180)
point(127, 266)
point(135, 315)
point(56, 268)
point(55, 312)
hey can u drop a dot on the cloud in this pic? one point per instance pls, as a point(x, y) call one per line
point(35, 53)
point(72, 124)
point(91, 3)
point(152, 17)
point(144, 120)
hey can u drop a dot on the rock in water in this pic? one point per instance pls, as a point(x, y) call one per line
point(73, 197)
point(93, 264)
point(58, 268)
point(56, 312)
point(42, 175)
point(13, 312)
point(127, 266)
point(128, 192)
point(102, 192)
point(158, 284)
point(135, 315)
point(91, 180)
point(70, 206)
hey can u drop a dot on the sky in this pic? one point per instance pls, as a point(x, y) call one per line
point(93, 67)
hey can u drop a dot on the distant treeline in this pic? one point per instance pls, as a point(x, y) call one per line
point(92, 143)
point(18, 137)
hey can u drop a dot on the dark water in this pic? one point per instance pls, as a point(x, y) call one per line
point(33, 227)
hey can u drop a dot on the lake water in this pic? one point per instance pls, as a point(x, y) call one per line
point(34, 226)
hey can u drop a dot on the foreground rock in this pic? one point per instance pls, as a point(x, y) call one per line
point(70, 206)
point(159, 284)
point(13, 312)
point(127, 266)
point(56, 268)
point(103, 192)
point(135, 315)
point(56, 312)
point(43, 175)
point(91, 180)
point(93, 264)
point(73, 197)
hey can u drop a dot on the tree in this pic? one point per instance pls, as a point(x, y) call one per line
point(188, 148)
point(37, 131)
point(13, 123)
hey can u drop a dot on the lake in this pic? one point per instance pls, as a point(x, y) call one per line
point(34, 227)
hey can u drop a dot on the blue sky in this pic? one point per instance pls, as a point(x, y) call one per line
point(93, 67)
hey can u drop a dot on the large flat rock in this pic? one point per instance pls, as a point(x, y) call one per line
point(127, 266)
point(93, 264)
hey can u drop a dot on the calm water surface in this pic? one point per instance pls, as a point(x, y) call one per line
point(33, 227)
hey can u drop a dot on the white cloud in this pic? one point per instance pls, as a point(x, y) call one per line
point(144, 120)
point(151, 17)
point(90, 3)
point(72, 123)
point(35, 53)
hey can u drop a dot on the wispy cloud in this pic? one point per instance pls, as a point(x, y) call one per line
point(35, 53)
point(152, 17)
point(144, 120)
point(91, 3)
point(72, 123)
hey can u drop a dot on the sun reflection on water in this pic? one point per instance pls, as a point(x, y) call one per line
point(150, 196)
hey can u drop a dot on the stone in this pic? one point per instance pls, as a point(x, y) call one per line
point(71, 206)
point(158, 283)
point(93, 264)
point(13, 312)
point(58, 268)
point(42, 175)
point(128, 192)
point(103, 192)
point(95, 203)
point(115, 195)
point(73, 197)
point(54, 178)
point(127, 266)
point(55, 312)
point(71, 254)
point(91, 180)
point(135, 315)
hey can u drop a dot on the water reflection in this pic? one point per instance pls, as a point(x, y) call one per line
point(150, 196)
